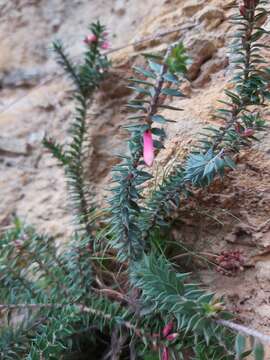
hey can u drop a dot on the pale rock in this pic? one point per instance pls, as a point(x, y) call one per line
point(21, 77)
point(211, 17)
point(200, 50)
point(119, 7)
point(228, 4)
point(263, 311)
point(35, 138)
point(209, 68)
point(13, 147)
point(263, 274)
point(192, 7)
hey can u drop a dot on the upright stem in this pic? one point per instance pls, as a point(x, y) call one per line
point(243, 99)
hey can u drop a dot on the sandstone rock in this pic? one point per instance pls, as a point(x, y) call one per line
point(209, 68)
point(13, 147)
point(262, 274)
point(192, 7)
point(227, 4)
point(264, 311)
point(119, 7)
point(200, 50)
point(211, 17)
point(21, 78)
point(115, 86)
point(35, 138)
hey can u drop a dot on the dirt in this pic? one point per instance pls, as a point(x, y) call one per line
point(230, 215)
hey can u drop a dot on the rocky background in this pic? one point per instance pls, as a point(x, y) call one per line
point(34, 101)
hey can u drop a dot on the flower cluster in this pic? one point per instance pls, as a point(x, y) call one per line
point(168, 335)
point(91, 39)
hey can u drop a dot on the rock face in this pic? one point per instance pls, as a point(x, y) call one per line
point(35, 100)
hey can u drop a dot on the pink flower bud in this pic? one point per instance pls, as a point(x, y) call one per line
point(105, 45)
point(90, 39)
point(165, 354)
point(172, 337)
point(248, 132)
point(167, 329)
point(148, 149)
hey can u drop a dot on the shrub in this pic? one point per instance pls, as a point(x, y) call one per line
point(112, 283)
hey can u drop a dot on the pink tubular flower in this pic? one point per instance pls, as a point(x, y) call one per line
point(167, 329)
point(105, 45)
point(90, 39)
point(165, 353)
point(148, 148)
point(172, 337)
point(248, 132)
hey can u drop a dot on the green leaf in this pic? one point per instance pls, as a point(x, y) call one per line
point(152, 56)
point(136, 117)
point(158, 132)
point(159, 119)
point(139, 90)
point(229, 162)
point(136, 107)
point(158, 144)
point(258, 351)
point(171, 78)
point(146, 73)
point(172, 92)
point(240, 345)
point(140, 81)
point(157, 68)
point(169, 107)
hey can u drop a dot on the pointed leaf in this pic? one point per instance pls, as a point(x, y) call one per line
point(240, 345)
point(172, 92)
point(258, 351)
point(157, 68)
point(159, 119)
